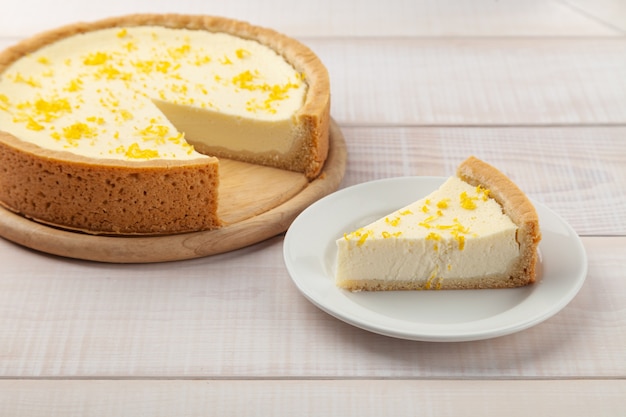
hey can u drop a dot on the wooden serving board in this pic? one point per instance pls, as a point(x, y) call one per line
point(255, 203)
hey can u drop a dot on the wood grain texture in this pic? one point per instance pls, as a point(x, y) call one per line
point(332, 18)
point(312, 398)
point(255, 202)
point(475, 81)
point(610, 13)
point(238, 315)
point(535, 87)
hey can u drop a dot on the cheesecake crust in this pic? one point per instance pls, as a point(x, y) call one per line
point(517, 206)
point(70, 191)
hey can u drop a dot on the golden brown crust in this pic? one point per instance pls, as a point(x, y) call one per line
point(492, 282)
point(515, 204)
point(69, 191)
point(128, 202)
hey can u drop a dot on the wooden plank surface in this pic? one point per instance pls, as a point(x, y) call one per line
point(238, 315)
point(469, 81)
point(332, 18)
point(184, 398)
point(535, 87)
point(610, 13)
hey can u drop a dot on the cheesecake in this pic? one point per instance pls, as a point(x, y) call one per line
point(477, 230)
point(117, 126)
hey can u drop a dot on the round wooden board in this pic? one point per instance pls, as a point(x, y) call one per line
point(256, 203)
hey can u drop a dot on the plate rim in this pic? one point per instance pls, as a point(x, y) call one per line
point(322, 300)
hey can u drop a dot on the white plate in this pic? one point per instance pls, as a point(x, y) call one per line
point(461, 315)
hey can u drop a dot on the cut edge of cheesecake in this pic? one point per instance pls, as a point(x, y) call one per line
point(25, 193)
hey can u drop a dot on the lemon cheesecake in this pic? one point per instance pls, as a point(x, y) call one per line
point(478, 230)
point(117, 126)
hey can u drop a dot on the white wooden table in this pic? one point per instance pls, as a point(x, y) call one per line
point(538, 88)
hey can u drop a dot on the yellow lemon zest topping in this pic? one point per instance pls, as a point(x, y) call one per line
point(96, 58)
point(442, 204)
point(19, 78)
point(436, 237)
point(4, 102)
point(41, 111)
point(386, 235)
point(392, 222)
point(360, 234)
point(433, 276)
point(363, 237)
point(135, 152)
point(242, 53)
point(74, 85)
point(52, 109)
point(467, 202)
point(180, 52)
point(484, 192)
point(130, 46)
point(31, 124)
point(77, 131)
point(246, 81)
point(126, 115)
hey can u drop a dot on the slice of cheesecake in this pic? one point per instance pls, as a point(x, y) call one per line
point(478, 230)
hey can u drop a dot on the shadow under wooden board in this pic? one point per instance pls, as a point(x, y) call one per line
point(256, 203)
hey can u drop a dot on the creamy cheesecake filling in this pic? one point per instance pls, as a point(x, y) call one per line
point(221, 131)
point(146, 92)
point(455, 232)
